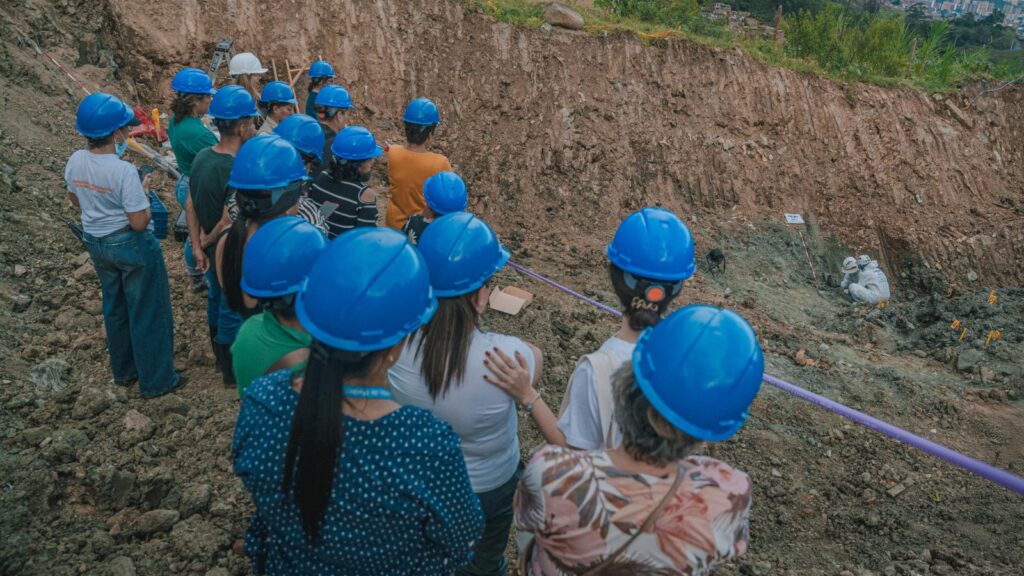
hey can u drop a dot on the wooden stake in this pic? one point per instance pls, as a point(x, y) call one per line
point(273, 64)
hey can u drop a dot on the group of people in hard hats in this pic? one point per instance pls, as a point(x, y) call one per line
point(863, 281)
point(378, 429)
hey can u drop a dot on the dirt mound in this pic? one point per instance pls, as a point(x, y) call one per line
point(98, 481)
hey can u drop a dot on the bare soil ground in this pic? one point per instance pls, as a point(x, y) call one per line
point(559, 136)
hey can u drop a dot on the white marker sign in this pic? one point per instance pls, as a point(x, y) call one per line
point(794, 219)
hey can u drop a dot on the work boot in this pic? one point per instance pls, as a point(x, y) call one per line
point(213, 346)
point(199, 284)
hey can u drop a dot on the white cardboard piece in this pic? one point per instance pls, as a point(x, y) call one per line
point(510, 300)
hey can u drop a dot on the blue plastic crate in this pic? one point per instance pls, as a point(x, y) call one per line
point(159, 212)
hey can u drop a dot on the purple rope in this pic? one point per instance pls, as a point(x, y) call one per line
point(987, 471)
point(565, 289)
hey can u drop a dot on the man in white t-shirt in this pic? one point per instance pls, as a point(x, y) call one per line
point(127, 257)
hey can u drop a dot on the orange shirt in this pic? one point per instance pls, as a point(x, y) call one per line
point(407, 171)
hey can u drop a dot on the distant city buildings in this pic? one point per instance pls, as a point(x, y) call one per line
point(1012, 9)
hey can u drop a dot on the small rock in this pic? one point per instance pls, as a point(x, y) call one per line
point(972, 276)
point(20, 270)
point(195, 500)
point(173, 404)
point(121, 566)
point(91, 403)
point(85, 272)
point(558, 14)
point(218, 572)
point(873, 519)
point(20, 303)
point(926, 556)
point(896, 490)
point(987, 374)
point(866, 477)
point(547, 28)
point(138, 427)
point(968, 359)
point(157, 521)
point(50, 373)
point(80, 259)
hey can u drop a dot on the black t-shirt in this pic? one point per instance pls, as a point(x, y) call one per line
point(351, 212)
point(208, 186)
point(414, 227)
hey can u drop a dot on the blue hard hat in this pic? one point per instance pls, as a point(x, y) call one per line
point(333, 96)
point(277, 92)
point(653, 243)
point(192, 81)
point(321, 69)
point(100, 114)
point(355, 143)
point(232, 103)
point(266, 162)
point(445, 192)
point(303, 132)
point(461, 252)
point(366, 292)
point(279, 256)
point(700, 368)
point(423, 112)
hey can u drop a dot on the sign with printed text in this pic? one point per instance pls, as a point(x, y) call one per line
point(794, 219)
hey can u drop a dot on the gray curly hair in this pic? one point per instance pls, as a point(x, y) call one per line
point(646, 435)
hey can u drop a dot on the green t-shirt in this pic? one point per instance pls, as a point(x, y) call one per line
point(188, 137)
point(261, 342)
point(208, 186)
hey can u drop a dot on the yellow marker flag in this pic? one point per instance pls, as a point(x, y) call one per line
point(993, 298)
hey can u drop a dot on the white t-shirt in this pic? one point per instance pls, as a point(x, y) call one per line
point(481, 414)
point(581, 421)
point(107, 188)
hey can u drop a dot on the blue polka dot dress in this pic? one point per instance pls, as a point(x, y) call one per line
point(401, 501)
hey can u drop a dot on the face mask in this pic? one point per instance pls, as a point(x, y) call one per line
point(120, 148)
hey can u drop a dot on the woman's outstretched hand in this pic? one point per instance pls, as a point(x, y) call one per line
point(511, 375)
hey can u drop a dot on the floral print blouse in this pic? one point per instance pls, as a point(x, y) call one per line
point(580, 508)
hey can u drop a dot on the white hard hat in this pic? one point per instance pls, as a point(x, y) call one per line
point(245, 63)
point(849, 265)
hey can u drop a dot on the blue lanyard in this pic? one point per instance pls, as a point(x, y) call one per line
point(367, 392)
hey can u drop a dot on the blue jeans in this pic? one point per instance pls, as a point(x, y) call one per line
point(489, 553)
point(136, 309)
point(218, 314)
point(181, 193)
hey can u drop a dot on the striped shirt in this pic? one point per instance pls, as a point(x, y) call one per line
point(352, 210)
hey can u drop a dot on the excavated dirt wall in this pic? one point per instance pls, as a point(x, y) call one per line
point(567, 131)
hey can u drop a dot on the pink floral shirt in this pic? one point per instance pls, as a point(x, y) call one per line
point(580, 508)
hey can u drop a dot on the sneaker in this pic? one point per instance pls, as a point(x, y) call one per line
point(182, 381)
point(199, 285)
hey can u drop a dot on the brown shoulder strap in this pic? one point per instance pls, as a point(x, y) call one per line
point(289, 360)
point(651, 519)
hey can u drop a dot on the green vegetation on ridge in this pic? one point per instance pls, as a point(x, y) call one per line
point(848, 42)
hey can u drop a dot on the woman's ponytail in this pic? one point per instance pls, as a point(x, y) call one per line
point(637, 306)
point(317, 435)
